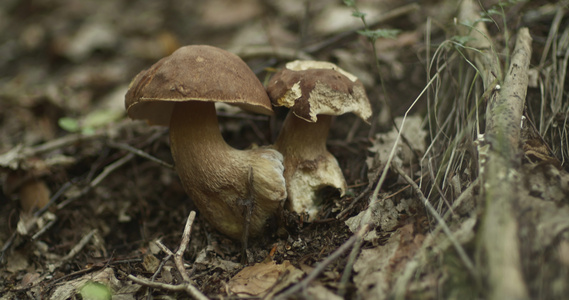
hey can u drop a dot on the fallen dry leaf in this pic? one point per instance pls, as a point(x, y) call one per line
point(262, 278)
point(376, 267)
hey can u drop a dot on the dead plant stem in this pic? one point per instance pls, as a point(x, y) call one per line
point(184, 287)
point(82, 243)
point(373, 202)
point(140, 153)
point(502, 178)
point(350, 265)
point(106, 172)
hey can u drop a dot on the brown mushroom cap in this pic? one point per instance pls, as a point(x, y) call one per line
point(194, 73)
point(310, 88)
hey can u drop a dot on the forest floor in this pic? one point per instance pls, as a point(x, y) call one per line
point(428, 213)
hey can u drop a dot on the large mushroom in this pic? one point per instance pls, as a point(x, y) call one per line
point(314, 91)
point(233, 189)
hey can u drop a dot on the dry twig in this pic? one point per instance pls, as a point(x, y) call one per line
point(140, 153)
point(179, 255)
point(178, 260)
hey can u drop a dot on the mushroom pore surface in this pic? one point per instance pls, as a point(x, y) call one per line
point(215, 175)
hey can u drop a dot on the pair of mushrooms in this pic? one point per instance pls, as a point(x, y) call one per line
point(238, 191)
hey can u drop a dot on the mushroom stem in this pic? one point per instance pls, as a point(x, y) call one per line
point(194, 129)
point(215, 175)
point(302, 140)
point(309, 167)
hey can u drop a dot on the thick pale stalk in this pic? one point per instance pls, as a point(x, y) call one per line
point(309, 167)
point(215, 175)
point(301, 140)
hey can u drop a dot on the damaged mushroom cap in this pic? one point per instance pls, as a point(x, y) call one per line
point(187, 75)
point(310, 88)
point(315, 92)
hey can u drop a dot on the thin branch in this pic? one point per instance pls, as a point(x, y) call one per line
point(106, 172)
point(140, 153)
point(13, 158)
point(185, 287)
point(164, 248)
point(179, 255)
point(110, 169)
point(502, 180)
point(82, 243)
point(350, 265)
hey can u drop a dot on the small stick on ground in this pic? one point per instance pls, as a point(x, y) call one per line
point(350, 265)
point(18, 154)
point(165, 249)
point(82, 243)
point(178, 256)
point(178, 261)
point(106, 172)
point(184, 287)
point(169, 255)
point(140, 153)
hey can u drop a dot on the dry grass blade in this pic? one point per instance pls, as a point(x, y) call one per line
point(554, 109)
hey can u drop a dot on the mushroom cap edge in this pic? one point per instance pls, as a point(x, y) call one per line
point(194, 73)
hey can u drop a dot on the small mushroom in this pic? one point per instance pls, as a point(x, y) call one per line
point(314, 91)
point(180, 91)
point(29, 185)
